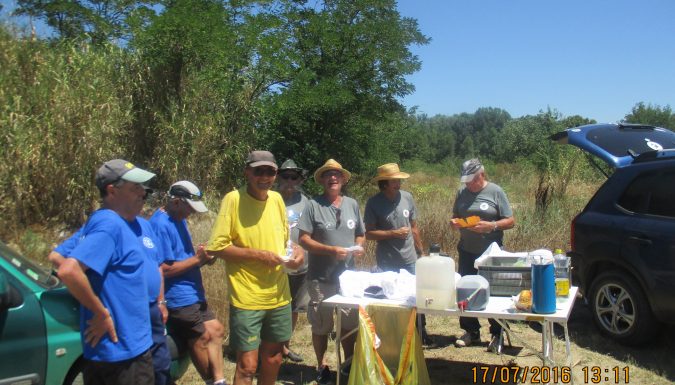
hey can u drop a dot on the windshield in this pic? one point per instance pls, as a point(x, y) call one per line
point(28, 267)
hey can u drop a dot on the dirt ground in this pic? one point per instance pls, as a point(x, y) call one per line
point(651, 364)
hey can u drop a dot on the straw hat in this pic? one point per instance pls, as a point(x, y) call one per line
point(331, 164)
point(389, 171)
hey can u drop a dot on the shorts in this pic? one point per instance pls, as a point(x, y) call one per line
point(187, 322)
point(249, 327)
point(137, 370)
point(321, 317)
point(299, 293)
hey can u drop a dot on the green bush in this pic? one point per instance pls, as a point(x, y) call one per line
point(63, 109)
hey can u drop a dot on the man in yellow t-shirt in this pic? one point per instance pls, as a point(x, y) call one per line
point(251, 234)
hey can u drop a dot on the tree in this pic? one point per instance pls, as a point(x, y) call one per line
point(652, 114)
point(211, 62)
point(100, 20)
point(349, 62)
point(526, 139)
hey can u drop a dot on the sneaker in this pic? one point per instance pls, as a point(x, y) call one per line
point(467, 339)
point(293, 356)
point(323, 377)
point(496, 344)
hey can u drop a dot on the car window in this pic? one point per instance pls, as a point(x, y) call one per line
point(661, 200)
point(650, 193)
point(636, 196)
point(28, 267)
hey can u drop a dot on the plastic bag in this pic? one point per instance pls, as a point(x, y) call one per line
point(400, 349)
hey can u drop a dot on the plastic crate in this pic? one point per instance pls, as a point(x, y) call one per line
point(507, 275)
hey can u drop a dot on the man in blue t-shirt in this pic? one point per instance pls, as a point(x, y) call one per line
point(106, 273)
point(189, 315)
point(161, 357)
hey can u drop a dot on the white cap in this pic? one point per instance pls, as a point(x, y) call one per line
point(190, 193)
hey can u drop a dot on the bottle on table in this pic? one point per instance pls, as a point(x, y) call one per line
point(435, 280)
point(562, 273)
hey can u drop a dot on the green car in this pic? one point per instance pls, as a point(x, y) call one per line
point(39, 327)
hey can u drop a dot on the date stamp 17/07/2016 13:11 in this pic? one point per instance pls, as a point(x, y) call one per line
point(545, 374)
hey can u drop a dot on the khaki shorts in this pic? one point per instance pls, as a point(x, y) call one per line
point(321, 317)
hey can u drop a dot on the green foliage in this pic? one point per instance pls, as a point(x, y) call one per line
point(203, 82)
point(527, 140)
point(459, 136)
point(652, 114)
point(203, 99)
point(96, 20)
point(198, 86)
point(349, 61)
point(62, 109)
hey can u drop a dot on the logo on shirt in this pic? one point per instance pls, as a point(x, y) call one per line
point(406, 213)
point(483, 206)
point(351, 224)
point(147, 242)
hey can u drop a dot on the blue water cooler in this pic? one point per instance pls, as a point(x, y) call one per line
point(543, 288)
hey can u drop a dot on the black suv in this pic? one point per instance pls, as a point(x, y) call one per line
point(623, 242)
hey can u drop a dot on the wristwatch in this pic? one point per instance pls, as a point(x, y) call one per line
point(162, 302)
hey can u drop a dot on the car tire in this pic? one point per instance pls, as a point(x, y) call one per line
point(621, 310)
point(74, 376)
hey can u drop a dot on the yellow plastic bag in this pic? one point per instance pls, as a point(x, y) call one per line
point(400, 348)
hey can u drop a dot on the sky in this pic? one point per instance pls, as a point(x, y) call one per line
point(594, 58)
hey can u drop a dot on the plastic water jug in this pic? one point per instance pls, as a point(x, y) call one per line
point(543, 282)
point(435, 281)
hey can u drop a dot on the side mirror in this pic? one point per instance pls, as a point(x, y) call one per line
point(9, 296)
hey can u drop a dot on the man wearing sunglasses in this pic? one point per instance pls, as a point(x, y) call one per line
point(108, 269)
point(289, 181)
point(189, 315)
point(250, 234)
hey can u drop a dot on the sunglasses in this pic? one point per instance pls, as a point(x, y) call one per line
point(289, 176)
point(181, 192)
point(264, 171)
point(338, 214)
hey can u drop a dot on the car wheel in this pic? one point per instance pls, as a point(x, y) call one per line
point(621, 310)
point(74, 376)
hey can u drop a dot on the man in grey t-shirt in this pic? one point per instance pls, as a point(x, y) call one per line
point(487, 201)
point(391, 220)
point(290, 178)
point(330, 224)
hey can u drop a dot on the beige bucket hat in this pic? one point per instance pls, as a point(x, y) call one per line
point(389, 171)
